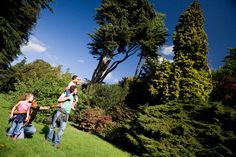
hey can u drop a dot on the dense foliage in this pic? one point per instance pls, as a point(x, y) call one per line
point(225, 80)
point(126, 27)
point(17, 19)
point(190, 48)
point(168, 111)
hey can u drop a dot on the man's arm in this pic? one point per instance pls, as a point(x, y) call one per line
point(63, 98)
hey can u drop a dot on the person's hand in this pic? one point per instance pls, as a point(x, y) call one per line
point(27, 119)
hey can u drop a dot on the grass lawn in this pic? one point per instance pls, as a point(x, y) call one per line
point(74, 142)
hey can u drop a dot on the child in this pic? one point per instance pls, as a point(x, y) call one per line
point(28, 127)
point(17, 123)
point(74, 82)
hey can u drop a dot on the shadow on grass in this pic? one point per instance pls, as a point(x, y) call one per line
point(114, 143)
point(45, 131)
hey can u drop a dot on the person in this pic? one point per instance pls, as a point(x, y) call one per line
point(75, 80)
point(22, 107)
point(28, 128)
point(61, 115)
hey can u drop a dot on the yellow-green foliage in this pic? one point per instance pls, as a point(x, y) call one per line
point(190, 48)
point(195, 84)
point(164, 82)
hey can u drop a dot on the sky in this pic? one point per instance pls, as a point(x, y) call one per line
point(61, 38)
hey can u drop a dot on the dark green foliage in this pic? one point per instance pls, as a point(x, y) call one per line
point(188, 126)
point(11, 76)
point(182, 129)
point(126, 27)
point(229, 67)
point(138, 94)
point(17, 19)
point(225, 80)
point(107, 96)
point(9, 44)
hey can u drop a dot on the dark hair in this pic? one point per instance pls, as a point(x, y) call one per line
point(74, 77)
point(72, 89)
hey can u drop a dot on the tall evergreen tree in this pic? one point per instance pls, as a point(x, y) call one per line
point(125, 28)
point(190, 48)
point(17, 19)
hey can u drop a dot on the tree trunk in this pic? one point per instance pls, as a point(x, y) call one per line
point(138, 67)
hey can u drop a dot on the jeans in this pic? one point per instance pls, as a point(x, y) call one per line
point(28, 129)
point(15, 128)
point(60, 117)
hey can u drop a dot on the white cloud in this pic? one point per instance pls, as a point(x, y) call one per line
point(80, 61)
point(167, 50)
point(34, 45)
point(160, 59)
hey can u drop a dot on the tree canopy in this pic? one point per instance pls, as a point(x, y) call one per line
point(17, 19)
point(126, 27)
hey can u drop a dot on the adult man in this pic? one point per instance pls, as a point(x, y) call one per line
point(61, 115)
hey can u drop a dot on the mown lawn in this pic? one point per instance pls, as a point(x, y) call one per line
point(73, 143)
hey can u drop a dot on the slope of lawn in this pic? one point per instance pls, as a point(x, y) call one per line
point(73, 143)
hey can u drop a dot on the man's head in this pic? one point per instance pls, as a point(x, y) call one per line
point(34, 104)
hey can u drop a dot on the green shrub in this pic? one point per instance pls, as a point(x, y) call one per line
point(107, 96)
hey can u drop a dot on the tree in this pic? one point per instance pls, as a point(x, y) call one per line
point(17, 19)
point(230, 65)
point(11, 76)
point(225, 80)
point(190, 48)
point(126, 27)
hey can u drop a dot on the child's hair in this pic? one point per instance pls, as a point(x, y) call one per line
point(22, 97)
point(28, 95)
point(72, 89)
point(74, 77)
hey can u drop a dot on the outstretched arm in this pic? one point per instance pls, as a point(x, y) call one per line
point(44, 107)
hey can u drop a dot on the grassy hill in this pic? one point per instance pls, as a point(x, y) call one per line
point(73, 143)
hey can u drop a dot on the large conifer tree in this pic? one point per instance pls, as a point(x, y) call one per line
point(190, 48)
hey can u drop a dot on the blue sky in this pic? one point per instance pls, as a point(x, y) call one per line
point(61, 38)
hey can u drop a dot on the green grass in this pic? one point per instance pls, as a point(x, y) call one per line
point(73, 143)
